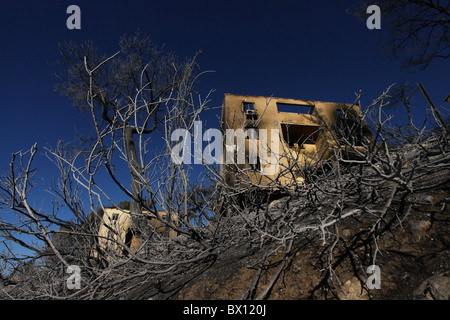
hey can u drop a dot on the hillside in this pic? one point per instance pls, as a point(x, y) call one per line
point(414, 261)
point(411, 248)
point(314, 241)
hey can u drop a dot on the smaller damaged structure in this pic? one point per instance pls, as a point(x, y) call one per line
point(286, 135)
point(116, 237)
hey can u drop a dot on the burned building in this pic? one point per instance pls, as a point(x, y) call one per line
point(115, 233)
point(285, 135)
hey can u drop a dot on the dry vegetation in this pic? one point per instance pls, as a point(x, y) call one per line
point(383, 206)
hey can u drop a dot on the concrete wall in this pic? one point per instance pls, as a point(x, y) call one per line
point(115, 231)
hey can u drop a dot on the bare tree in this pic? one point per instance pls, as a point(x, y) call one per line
point(130, 95)
point(136, 97)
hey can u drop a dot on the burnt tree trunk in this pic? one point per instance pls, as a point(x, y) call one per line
point(137, 218)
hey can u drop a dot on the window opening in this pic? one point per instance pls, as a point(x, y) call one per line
point(296, 135)
point(295, 108)
point(248, 106)
point(250, 113)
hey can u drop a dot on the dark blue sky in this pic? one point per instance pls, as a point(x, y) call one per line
point(293, 49)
